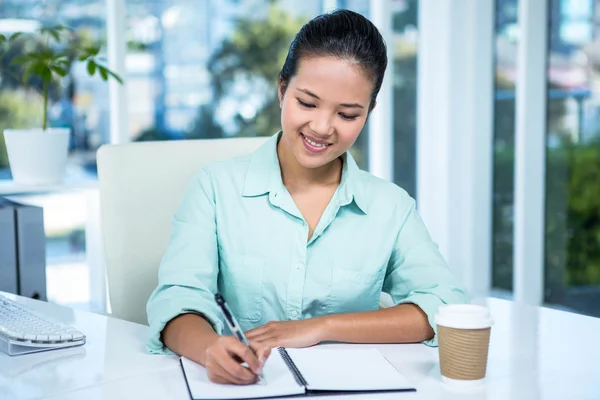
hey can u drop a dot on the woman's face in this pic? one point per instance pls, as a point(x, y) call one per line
point(323, 109)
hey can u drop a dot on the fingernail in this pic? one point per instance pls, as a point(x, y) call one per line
point(263, 359)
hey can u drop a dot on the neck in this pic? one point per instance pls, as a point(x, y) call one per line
point(295, 175)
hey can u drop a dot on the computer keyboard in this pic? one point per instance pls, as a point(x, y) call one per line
point(23, 330)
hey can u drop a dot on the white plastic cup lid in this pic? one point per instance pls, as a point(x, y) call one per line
point(464, 316)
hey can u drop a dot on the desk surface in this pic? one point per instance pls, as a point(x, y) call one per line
point(535, 354)
point(11, 188)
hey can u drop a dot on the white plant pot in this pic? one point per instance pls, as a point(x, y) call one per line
point(37, 157)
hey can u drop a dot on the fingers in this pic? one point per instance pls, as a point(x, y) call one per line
point(253, 333)
point(247, 355)
point(222, 366)
point(262, 352)
point(217, 374)
point(235, 372)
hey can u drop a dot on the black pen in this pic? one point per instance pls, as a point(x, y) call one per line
point(235, 327)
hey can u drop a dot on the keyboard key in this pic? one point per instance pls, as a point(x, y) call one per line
point(18, 335)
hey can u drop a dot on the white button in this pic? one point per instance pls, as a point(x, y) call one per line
point(294, 313)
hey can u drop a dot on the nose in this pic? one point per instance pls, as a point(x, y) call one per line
point(321, 124)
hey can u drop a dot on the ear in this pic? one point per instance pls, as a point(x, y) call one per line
point(280, 92)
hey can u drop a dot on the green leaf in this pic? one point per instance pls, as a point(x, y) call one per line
point(27, 73)
point(47, 75)
point(117, 77)
point(62, 60)
point(59, 71)
point(15, 36)
point(93, 50)
point(103, 72)
point(55, 34)
point(39, 68)
point(62, 64)
point(91, 67)
point(22, 59)
point(2, 38)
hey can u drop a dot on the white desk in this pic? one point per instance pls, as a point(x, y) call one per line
point(535, 354)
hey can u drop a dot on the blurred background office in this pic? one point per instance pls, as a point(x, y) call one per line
point(208, 68)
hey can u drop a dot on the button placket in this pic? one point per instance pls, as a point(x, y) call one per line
point(296, 291)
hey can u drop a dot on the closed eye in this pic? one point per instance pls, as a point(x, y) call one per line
point(306, 105)
point(348, 117)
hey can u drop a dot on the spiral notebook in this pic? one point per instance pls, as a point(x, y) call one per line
point(303, 372)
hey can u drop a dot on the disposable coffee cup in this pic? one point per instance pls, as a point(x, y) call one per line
point(463, 339)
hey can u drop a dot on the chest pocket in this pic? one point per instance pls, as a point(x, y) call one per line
point(355, 290)
point(242, 281)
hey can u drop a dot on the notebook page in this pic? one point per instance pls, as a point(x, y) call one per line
point(347, 370)
point(280, 382)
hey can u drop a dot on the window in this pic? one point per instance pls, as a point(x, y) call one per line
point(504, 144)
point(81, 104)
point(405, 22)
point(200, 69)
point(572, 228)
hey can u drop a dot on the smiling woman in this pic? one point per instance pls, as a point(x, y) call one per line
point(341, 236)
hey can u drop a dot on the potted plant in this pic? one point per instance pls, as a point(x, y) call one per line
point(39, 156)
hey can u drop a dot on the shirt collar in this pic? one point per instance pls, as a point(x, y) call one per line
point(264, 175)
point(351, 186)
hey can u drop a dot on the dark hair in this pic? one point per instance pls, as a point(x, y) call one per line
point(343, 34)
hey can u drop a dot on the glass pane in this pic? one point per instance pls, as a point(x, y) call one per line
point(572, 270)
point(79, 102)
point(360, 150)
point(405, 22)
point(504, 143)
point(202, 69)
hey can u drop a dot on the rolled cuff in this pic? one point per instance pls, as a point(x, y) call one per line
point(161, 319)
point(429, 303)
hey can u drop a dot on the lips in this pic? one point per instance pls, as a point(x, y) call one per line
point(314, 141)
point(313, 145)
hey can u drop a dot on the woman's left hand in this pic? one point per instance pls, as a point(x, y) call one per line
point(302, 333)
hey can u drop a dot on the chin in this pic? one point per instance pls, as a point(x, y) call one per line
point(313, 161)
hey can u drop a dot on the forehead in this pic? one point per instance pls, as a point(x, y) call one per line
point(334, 79)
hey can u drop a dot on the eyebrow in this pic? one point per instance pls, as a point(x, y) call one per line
point(347, 105)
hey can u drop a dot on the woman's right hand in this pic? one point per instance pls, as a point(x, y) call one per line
point(224, 357)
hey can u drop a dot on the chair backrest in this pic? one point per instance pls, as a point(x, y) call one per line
point(141, 186)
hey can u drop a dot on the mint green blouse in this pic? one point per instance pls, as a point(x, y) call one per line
point(239, 232)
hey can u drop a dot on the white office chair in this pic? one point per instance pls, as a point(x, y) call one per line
point(141, 186)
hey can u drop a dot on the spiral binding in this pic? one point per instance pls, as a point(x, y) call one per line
point(292, 367)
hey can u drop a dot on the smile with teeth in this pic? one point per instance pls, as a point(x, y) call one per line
point(312, 143)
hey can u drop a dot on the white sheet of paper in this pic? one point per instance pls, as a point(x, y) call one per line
point(347, 369)
point(280, 382)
